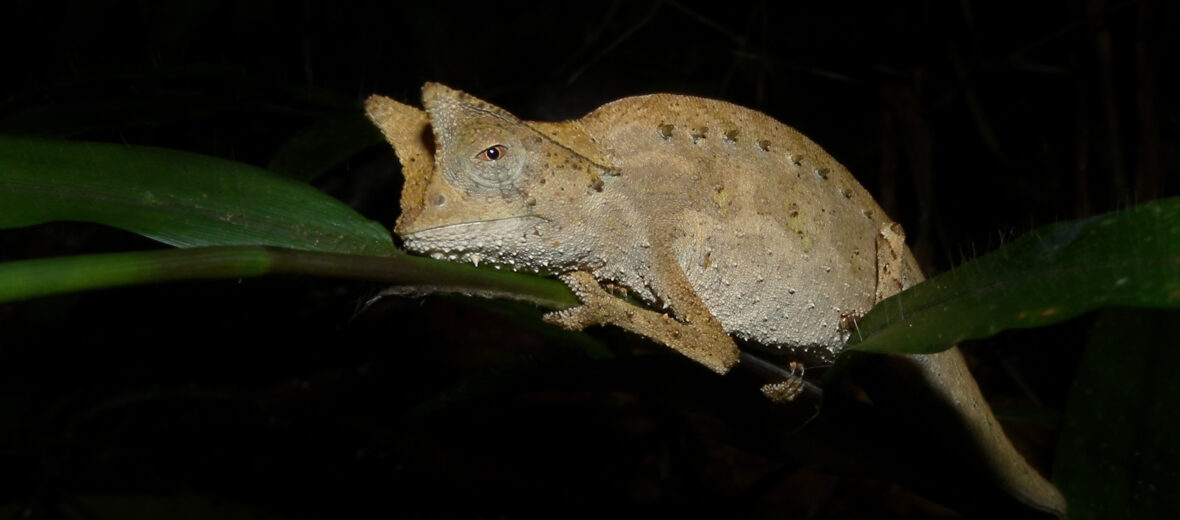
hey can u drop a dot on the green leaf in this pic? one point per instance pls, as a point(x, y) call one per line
point(26, 279)
point(179, 198)
point(1117, 457)
point(1129, 258)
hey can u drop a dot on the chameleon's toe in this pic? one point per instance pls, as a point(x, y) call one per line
point(573, 318)
point(596, 303)
point(787, 390)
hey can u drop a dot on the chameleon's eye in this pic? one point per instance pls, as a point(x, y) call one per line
point(487, 158)
point(492, 154)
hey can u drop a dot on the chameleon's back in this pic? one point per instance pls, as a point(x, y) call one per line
point(775, 236)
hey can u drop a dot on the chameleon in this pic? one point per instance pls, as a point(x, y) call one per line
point(726, 222)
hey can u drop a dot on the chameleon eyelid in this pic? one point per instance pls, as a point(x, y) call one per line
point(492, 153)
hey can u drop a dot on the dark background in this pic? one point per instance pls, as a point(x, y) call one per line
point(971, 122)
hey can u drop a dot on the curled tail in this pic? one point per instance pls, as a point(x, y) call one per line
point(945, 380)
point(947, 376)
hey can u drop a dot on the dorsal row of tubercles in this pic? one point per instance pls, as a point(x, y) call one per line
point(699, 133)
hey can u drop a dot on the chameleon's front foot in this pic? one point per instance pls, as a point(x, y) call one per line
point(598, 307)
point(699, 336)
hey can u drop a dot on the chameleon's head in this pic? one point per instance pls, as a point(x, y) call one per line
point(462, 164)
point(477, 178)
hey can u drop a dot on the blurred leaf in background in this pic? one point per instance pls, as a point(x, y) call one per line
point(1117, 457)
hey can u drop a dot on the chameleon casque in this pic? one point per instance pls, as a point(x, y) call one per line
point(734, 224)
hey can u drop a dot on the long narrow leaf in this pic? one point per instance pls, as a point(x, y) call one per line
point(1129, 258)
point(179, 198)
point(26, 279)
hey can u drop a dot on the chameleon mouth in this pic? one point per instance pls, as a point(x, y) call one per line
point(487, 225)
point(481, 238)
